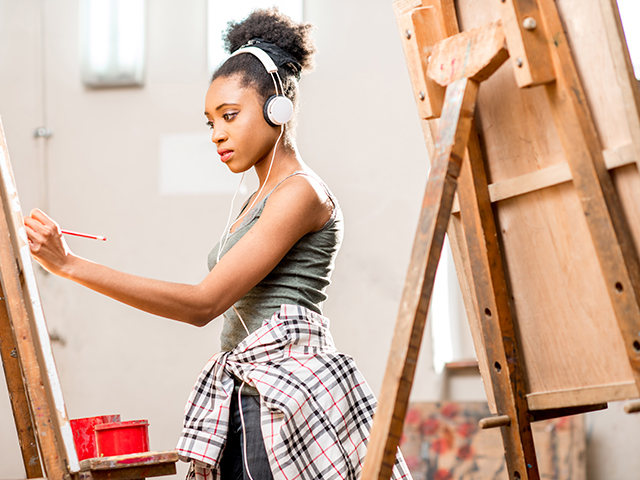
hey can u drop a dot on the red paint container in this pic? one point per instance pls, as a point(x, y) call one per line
point(122, 438)
point(84, 435)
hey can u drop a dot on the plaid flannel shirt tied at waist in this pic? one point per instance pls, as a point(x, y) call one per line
point(316, 408)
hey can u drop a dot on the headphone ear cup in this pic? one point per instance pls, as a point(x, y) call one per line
point(278, 110)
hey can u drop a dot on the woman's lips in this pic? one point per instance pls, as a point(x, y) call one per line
point(225, 155)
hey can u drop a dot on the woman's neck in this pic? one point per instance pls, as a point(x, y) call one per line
point(285, 162)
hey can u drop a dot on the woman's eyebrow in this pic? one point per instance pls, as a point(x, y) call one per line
point(226, 104)
point(222, 105)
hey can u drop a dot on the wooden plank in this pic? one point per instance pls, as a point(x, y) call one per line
point(556, 174)
point(129, 460)
point(131, 466)
point(18, 395)
point(527, 42)
point(53, 430)
point(455, 125)
point(542, 415)
point(582, 396)
point(629, 87)
point(497, 325)
point(54, 465)
point(604, 215)
point(475, 54)
point(131, 473)
point(560, 300)
point(419, 29)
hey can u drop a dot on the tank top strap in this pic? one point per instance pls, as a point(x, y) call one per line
point(297, 172)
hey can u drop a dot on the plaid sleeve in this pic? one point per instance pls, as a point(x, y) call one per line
point(316, 408)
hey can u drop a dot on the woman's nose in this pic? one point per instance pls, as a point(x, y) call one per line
point(218, 135)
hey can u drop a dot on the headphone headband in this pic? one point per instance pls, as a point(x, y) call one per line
point(263, 56)
point(278, 109)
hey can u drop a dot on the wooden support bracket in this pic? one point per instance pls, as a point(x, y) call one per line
point(527, 42)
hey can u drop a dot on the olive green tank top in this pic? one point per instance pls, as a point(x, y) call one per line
point(301, 277)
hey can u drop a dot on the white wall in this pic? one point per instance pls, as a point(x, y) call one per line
point(99, 173)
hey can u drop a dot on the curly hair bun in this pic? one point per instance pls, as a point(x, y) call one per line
point(277, 28)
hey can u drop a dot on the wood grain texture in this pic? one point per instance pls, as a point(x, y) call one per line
point(130, 460)
point(475, 54)
point(53, 462)
point(453, 134)
point(560, 300)
point(419, 30)
point(603, 212)
point(131, 473)
point(18, 395)
point(554, 175)
point(529, 48)
point(53, 454)
point(504, 357)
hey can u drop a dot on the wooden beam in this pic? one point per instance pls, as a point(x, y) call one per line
point(551, 176)
point(54, 465)
point(419, 30)
point(475, 54)
point(18, 395)
point(540, 415)
point(582, 396)
point(44, 416)
point(629, 86)
point(496, 322)
point(131, 466)
point(527, 42)
point(603, 213)
point(455, 126)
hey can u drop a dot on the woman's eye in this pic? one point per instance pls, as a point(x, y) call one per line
point(229, 116)
point(210, 125)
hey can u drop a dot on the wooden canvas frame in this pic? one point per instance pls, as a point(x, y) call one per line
point(545, 232)
point(42, 424)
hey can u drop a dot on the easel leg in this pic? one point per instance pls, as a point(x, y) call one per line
point(496, 322)
point(455, 126)
point(51, 454)
point(18, 395)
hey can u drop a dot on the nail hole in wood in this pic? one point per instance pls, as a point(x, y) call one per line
point(407, 34)
point(636, 346)
point(519, 62)
point(498, 367)
point(487, 312)
point(619, 287)
point(516, 474)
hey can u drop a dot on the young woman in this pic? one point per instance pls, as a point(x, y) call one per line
point(279, 400)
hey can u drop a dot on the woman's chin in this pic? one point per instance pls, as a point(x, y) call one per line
point(235, 168)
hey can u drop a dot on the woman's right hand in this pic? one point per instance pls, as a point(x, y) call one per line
point(46, 242)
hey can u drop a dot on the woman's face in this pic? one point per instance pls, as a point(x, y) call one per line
point(241, 134)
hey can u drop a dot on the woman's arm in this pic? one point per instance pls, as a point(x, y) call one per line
point(293, 210)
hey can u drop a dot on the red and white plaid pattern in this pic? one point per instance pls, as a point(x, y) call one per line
point(316, 408)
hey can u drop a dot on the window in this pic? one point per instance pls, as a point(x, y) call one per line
point(112, 39)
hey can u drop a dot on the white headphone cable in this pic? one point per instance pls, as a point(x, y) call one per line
point(248, 209)
point(244, 432)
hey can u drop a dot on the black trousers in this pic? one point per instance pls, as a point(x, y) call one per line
point(233, 465)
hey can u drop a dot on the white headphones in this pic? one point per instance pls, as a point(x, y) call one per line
point(278, 109)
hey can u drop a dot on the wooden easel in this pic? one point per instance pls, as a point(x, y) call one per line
point(42, 424)
point(544, 237)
